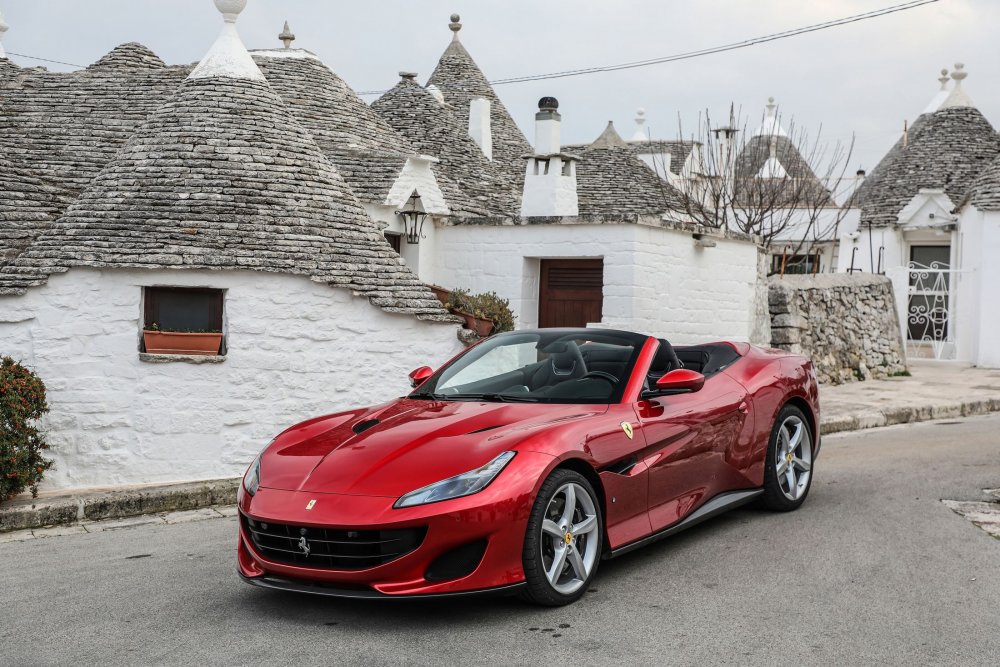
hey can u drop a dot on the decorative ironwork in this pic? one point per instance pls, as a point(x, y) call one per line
point(929, 308)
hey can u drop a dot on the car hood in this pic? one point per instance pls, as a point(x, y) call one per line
point(404, 445)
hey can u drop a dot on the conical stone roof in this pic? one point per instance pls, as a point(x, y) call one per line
point(612, 181)
point(460, 80)
point(223, 177)
point(28, 205)
point(985, 192)
point(945, 149)
point(364, 148)
point(433, 128)
point(130, 56)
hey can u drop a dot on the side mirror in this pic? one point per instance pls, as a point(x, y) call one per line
point(681, 379)
point(420, 375)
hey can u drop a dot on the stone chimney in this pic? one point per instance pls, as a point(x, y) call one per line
point(479, 125)
point(550, 178)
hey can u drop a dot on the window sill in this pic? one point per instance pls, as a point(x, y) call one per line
point(182, 358)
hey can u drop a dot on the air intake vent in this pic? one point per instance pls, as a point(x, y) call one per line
point(484, 429)
point(361, 427)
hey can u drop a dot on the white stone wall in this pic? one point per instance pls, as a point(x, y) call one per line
point(296, 349)
point(656, 280)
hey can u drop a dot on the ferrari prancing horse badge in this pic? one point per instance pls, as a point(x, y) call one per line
point(628, 429)
point(312, 503)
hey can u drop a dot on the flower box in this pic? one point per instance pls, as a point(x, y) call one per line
point(175, 342)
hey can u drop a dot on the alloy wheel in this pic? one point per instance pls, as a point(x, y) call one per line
point(569, 538)
point(793, 457)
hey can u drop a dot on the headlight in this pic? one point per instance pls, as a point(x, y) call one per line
point(465, 484)
point(251, 482)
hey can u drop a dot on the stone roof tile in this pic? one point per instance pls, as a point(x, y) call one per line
point(945, 149)
point(433, 128)
point(223, 177)
point(130, 56)
point(460, 80)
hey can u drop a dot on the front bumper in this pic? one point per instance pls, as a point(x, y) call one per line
point(497, 515)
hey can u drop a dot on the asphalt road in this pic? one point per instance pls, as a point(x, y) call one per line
point(872, 569)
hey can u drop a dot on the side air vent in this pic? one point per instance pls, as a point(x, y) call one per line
point(622, 467)
point(361, 427)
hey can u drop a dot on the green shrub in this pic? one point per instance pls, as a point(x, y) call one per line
point(22, 401)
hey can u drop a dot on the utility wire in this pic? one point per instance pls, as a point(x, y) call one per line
point(708, 51)
point(912, 4)
point(46, 60)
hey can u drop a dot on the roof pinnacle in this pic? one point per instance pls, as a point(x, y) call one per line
point(944, 78)
point(640, 134)
point(230, 9)
point(228, 57)
point(287, 36)
point(959, 73)
point(455, 26)
point(771, 106)
point(3, 28)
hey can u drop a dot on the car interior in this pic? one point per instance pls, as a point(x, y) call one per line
point(589, 371)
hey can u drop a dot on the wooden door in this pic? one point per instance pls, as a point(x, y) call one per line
point(571, 292)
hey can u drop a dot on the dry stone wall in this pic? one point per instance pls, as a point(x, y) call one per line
point(846, 323)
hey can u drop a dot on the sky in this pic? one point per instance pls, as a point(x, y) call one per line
point(861, 80)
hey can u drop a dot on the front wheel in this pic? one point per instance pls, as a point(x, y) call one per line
point(563, 542)
point(789, 464)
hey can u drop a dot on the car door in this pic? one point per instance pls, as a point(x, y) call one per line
point(688, 440)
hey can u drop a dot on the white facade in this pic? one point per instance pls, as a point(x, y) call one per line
point(657, 280)
point(296, 349)
point(963, 285)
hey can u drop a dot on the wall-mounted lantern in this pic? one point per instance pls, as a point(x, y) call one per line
point(413, 219)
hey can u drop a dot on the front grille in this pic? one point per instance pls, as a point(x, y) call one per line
point(331, 548)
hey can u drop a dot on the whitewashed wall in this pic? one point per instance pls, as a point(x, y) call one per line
point(296, 349)
point(656, 280)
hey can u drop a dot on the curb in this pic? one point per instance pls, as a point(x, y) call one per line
point(31, 513)
point(907, 415)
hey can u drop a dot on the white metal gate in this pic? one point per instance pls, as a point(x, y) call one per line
point(930, 304)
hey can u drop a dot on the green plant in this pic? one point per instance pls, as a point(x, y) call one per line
point(496, 308)
point(22, 401)
point(460, 299)
point(485, 306)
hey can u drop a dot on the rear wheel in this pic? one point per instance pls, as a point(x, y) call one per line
point(788, 468)
point(562, 546)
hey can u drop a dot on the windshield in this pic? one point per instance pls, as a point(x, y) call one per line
point(542, 366)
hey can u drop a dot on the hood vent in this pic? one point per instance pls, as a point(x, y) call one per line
point(487, 428)
point(361, 427)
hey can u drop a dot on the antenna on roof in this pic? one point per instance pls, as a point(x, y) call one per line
point(287, 36)
point(3, 28)
point(455, 26)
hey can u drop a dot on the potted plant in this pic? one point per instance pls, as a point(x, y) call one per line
point(440, 292)
point(193, 341)
point(485, 313)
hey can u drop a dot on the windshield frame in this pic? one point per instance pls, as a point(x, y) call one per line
point(638, 342)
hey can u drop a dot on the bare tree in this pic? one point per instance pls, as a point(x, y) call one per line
point(778, 184)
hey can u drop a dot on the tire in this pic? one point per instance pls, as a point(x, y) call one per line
point(548, 530)
point(789, 464)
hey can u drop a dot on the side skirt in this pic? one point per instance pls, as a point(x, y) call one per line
point(714, 507)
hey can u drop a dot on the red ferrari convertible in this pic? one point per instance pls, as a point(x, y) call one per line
point(523, 462)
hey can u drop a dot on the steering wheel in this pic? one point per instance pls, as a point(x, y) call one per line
point(601, 375)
